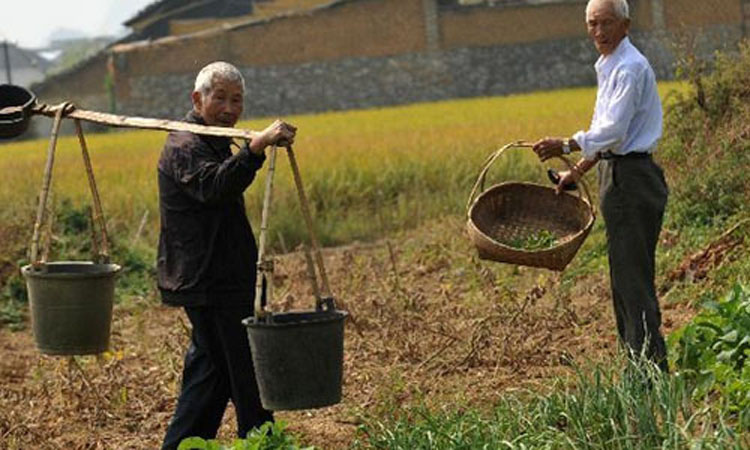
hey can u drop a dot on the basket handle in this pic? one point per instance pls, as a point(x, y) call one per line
point(479, 184)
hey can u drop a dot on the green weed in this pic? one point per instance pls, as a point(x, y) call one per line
point(600, 410)
point(713, 349)
point(705, 149)
point(270, 436)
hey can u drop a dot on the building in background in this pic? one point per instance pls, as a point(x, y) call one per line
point(303, 56)
point(153, 21)
point(26, 66)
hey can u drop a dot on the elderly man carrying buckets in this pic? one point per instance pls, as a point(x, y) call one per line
point(624, 131)
point(207, 255)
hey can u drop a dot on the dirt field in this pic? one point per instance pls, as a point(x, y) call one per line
point(431, 324)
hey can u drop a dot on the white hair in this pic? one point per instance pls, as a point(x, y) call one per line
point(620, 7)
point(220, 70)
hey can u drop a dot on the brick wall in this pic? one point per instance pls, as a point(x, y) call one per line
point(481, 26)
point(364, 53)
point(702, 13)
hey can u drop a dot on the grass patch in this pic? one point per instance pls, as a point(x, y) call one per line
point(599, 409)
point(367, 173)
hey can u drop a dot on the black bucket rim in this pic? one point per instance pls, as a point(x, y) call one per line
point(15, 122)
point(24, 107)
point(337, 315)
point(101, 270)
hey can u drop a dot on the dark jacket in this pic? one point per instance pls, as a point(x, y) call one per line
point(207, 251)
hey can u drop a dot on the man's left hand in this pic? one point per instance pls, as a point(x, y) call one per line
point(548, 148)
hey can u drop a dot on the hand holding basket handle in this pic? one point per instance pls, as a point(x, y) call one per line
point(507, 211)
point(547, 148)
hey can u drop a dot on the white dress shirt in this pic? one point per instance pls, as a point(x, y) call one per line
point(628, 116)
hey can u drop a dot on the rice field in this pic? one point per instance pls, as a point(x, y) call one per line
point(366, 172)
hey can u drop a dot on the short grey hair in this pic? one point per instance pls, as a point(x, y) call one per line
point(622, 10)
point(221, 70)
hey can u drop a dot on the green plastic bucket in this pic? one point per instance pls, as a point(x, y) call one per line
point(71, 306)
point(298, 358)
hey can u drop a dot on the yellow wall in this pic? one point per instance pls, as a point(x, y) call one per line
point(679, 13)
point(87, 80)
point(496, 26)
point(372, 28)
point(178, 56)
point(364, 28)
point(357, 29)
point(641, 15)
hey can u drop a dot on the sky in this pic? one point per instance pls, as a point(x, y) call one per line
point(31, 23)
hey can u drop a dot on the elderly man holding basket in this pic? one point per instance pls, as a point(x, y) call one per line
point(624, 132)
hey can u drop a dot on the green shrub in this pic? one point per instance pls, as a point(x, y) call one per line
point(713, 350)
point(12, 314)
point(706, 146)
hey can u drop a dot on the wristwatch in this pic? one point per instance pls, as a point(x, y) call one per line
point(566, 146)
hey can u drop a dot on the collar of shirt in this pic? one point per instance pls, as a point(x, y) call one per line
point(627, 114)
point(218, 143)
point(606, 63)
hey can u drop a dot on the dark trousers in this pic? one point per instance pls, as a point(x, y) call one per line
point(633, 195)
point(218, 367)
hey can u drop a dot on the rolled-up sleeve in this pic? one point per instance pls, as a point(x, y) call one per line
point(609, 128)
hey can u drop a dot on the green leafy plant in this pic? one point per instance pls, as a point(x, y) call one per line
point(270, 436)
point(539, 240)
point(713, 349)
point(12, 315)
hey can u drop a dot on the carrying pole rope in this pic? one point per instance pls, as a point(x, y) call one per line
point(265, 267)
point(41, 211)
point(308, 222)
point(102, 257)
point(37, 260)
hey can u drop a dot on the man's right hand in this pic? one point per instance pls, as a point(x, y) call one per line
point(551, 147)
point(278, 133)
point(548, 148)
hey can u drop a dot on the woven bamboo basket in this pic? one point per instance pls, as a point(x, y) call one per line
point(510, 212)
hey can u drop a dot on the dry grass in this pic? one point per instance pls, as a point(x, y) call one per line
point(367, 172)
point(432, 325)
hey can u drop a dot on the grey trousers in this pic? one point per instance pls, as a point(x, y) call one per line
point(633, 195)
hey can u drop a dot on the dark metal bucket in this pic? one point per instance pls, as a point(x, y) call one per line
point(71, 306)
point(16, 104)
point(298, 358)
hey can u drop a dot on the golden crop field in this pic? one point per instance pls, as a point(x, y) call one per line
point(367, 172)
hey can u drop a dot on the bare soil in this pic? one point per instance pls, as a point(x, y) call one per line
point(431, 324)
